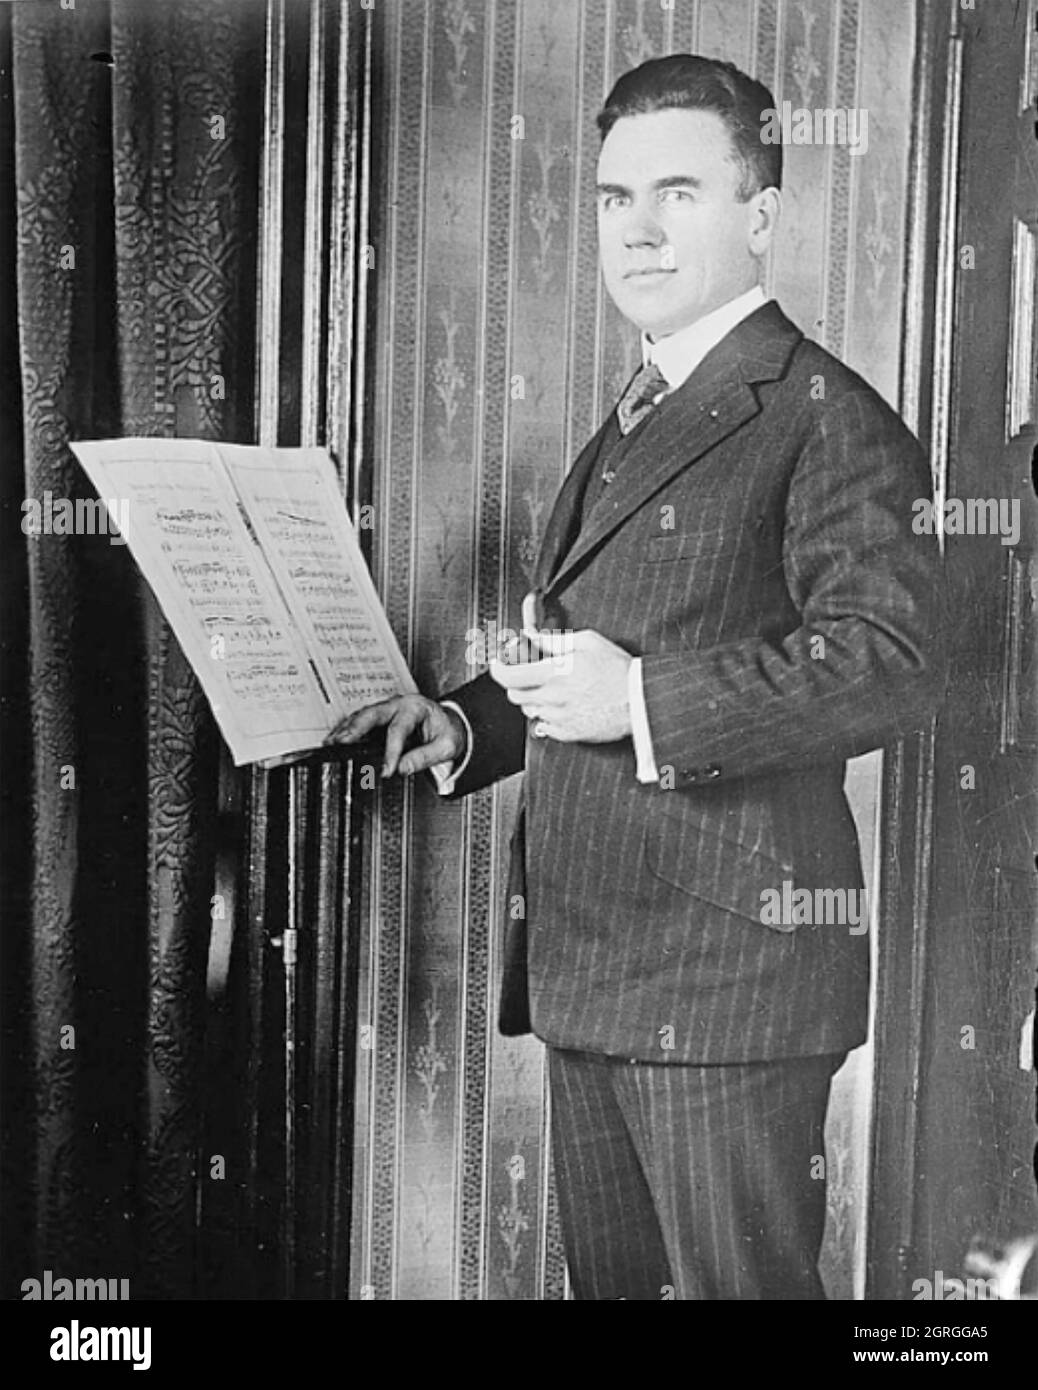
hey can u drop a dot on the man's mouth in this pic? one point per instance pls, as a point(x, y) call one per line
point(648, 272)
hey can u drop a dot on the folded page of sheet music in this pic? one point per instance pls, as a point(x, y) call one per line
point(255, 564)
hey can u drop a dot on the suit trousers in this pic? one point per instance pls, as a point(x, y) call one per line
point(690, 1182)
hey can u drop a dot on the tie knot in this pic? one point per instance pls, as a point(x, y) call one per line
point(639, 398)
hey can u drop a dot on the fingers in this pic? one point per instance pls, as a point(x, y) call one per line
point(401, 727)
point(517, 650)
point(556, 644)
point(442, 735)
point(527, 675)
point(561, 733)
point(361, 722)
point(529, 614)
point(522, 670)
point(423, 758)
point(544, 703)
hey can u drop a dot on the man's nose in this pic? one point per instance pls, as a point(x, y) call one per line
point(643, 229)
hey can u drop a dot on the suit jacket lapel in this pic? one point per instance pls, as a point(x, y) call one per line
point(565, 514)
point(717, 400)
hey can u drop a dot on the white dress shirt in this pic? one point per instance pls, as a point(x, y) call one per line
point(677, 356)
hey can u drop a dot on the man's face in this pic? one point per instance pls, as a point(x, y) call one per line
point(674, 239)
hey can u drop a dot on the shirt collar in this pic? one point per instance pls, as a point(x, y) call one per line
point(680, 353)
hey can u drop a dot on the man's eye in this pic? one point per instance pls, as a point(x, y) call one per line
point(612, 201)
point(675, 195)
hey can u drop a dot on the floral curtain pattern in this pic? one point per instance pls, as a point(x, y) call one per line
point(136, 214)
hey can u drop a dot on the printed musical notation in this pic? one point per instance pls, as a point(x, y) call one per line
point(255, 564)
point(322, 570)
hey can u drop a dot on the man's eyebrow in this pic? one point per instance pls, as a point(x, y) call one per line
point(670, 181)
point(679, 180)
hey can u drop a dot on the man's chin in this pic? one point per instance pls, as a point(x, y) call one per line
point(652, 314)
point(658, 326)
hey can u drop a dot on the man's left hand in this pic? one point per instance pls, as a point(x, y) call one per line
point(577, 693)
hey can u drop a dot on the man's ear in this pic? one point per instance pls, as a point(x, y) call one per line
point(765, 210)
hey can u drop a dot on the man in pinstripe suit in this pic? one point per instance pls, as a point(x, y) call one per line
point(729, 603)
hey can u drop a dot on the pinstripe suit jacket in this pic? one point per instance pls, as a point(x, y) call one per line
point(756, 550)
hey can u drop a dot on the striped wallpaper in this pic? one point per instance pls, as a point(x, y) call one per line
point(496, 355)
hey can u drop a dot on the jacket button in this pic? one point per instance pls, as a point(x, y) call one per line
point(711, 770)
point(608, 476)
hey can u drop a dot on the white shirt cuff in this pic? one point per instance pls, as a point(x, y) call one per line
point(446, 774)
point(645, 761)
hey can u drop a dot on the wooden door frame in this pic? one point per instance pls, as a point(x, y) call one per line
point(907, 840)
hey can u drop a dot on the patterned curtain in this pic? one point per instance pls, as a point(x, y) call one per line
point(133, 147)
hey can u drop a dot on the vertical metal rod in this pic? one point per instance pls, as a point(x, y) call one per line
point(268, 319)
point(256, 936)
point(341, 251)
point(296, 788)
point(338, 783)
point(268, 311)
point(313, 232)
point(363, 269)
point(307, 900)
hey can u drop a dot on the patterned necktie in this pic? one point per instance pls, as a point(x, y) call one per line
point(639, 398)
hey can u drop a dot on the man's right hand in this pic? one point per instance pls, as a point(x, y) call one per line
point(441, 732)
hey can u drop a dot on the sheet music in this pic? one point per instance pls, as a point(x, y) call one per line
point(284, 644)
point(301, 521)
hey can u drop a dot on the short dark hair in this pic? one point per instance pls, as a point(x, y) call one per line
point(684, 81)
